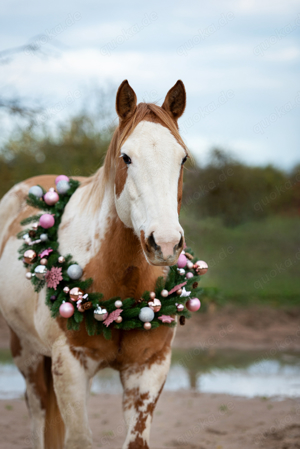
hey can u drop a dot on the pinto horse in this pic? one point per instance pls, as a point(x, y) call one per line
point(121, 226)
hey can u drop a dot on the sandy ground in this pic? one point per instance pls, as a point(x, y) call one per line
point(189, 420)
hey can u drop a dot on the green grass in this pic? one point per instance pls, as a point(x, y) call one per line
point(256, 261)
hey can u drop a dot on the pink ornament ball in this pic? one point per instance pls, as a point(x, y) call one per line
point(193, 304)
point(182, 261)
point(47, 221)
point(66, 310)
point(189, 275)
point(51, 198)
point(61, 178)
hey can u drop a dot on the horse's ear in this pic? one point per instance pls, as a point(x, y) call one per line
point(125, 101)
point(175, 100)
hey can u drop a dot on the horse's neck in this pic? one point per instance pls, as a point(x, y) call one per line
point(109, 252)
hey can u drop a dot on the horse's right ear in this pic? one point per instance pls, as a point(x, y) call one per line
point(125, 101)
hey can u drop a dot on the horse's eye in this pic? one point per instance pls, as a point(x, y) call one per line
point(184, 160)
point(126, 159)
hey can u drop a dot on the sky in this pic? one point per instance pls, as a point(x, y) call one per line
point(239, 61)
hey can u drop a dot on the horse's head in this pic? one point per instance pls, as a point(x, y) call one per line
point(149, 157)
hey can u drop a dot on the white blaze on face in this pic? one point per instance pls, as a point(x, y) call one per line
point(149, 199)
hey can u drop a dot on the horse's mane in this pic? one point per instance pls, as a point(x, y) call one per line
point(144, 111)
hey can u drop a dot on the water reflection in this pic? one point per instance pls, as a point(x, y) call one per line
point(244, 373)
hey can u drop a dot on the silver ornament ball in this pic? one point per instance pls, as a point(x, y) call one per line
point(100, 314)
point(44, 237)
point(62, 187)
point(37, 191)
point(61, 259)
point(28, 275)
point(164, 293)
point(74, 271)
point(40, 271)
point(146, 314)
point(181, 271)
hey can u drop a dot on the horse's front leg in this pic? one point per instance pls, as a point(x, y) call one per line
point(71, 384)
point(142, 387)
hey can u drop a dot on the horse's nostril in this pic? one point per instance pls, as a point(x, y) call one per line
point(180, 244)
point(152, 242)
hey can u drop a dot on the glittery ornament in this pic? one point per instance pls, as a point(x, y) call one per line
point(100, 314)
point(51, 197)
point(61, 259)
point(44, 237)
point(29, 256)
point(62, 187)
point(164, 293)
point(118, 304)
point(166, 319)
point(53, 277)
point(28, 275)
point(40, 271)
point(201, 267)
point(66, 289)
point(37, 191)
point(66, 310)
point(152, 295)
point(193, 304)
point(43, 261)
point(155, 305)
point(47, 221)
point(177, 287)
point(182, 261)
point(61, 178)
point(119, 320)
point(147, 326)
point(146, 314)
point(46, 252)
point(112, 317)
point(180, 307)
point(74, 271)
point(75, 292)
point(189, 275)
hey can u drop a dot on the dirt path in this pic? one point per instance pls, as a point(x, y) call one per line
point(189, 420)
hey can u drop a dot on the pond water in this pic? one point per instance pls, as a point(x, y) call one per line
point(241, 373)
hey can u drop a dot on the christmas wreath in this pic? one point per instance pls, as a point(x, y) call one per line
point(66, 295)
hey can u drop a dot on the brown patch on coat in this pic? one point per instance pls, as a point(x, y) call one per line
point(57, 365)
point(15, 344)
point(138, 443)
point(121, 175)
point(36, 377)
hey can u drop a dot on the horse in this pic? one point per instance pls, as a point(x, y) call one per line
point(122, 227)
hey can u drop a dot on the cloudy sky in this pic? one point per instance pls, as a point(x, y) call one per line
point(239, 61)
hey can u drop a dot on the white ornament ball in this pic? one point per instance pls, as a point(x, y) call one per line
point(62, 187)
point(28, 275)
point(190, 265)
point(118, 304)
point(181, 271)
point(100, 314)
point(74, 271)
point(164, 293)
point(146, 314)
point(37, 191)
point(44, 237)
point(40, 271)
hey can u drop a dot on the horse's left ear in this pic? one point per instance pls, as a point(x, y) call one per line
point(175, 100)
